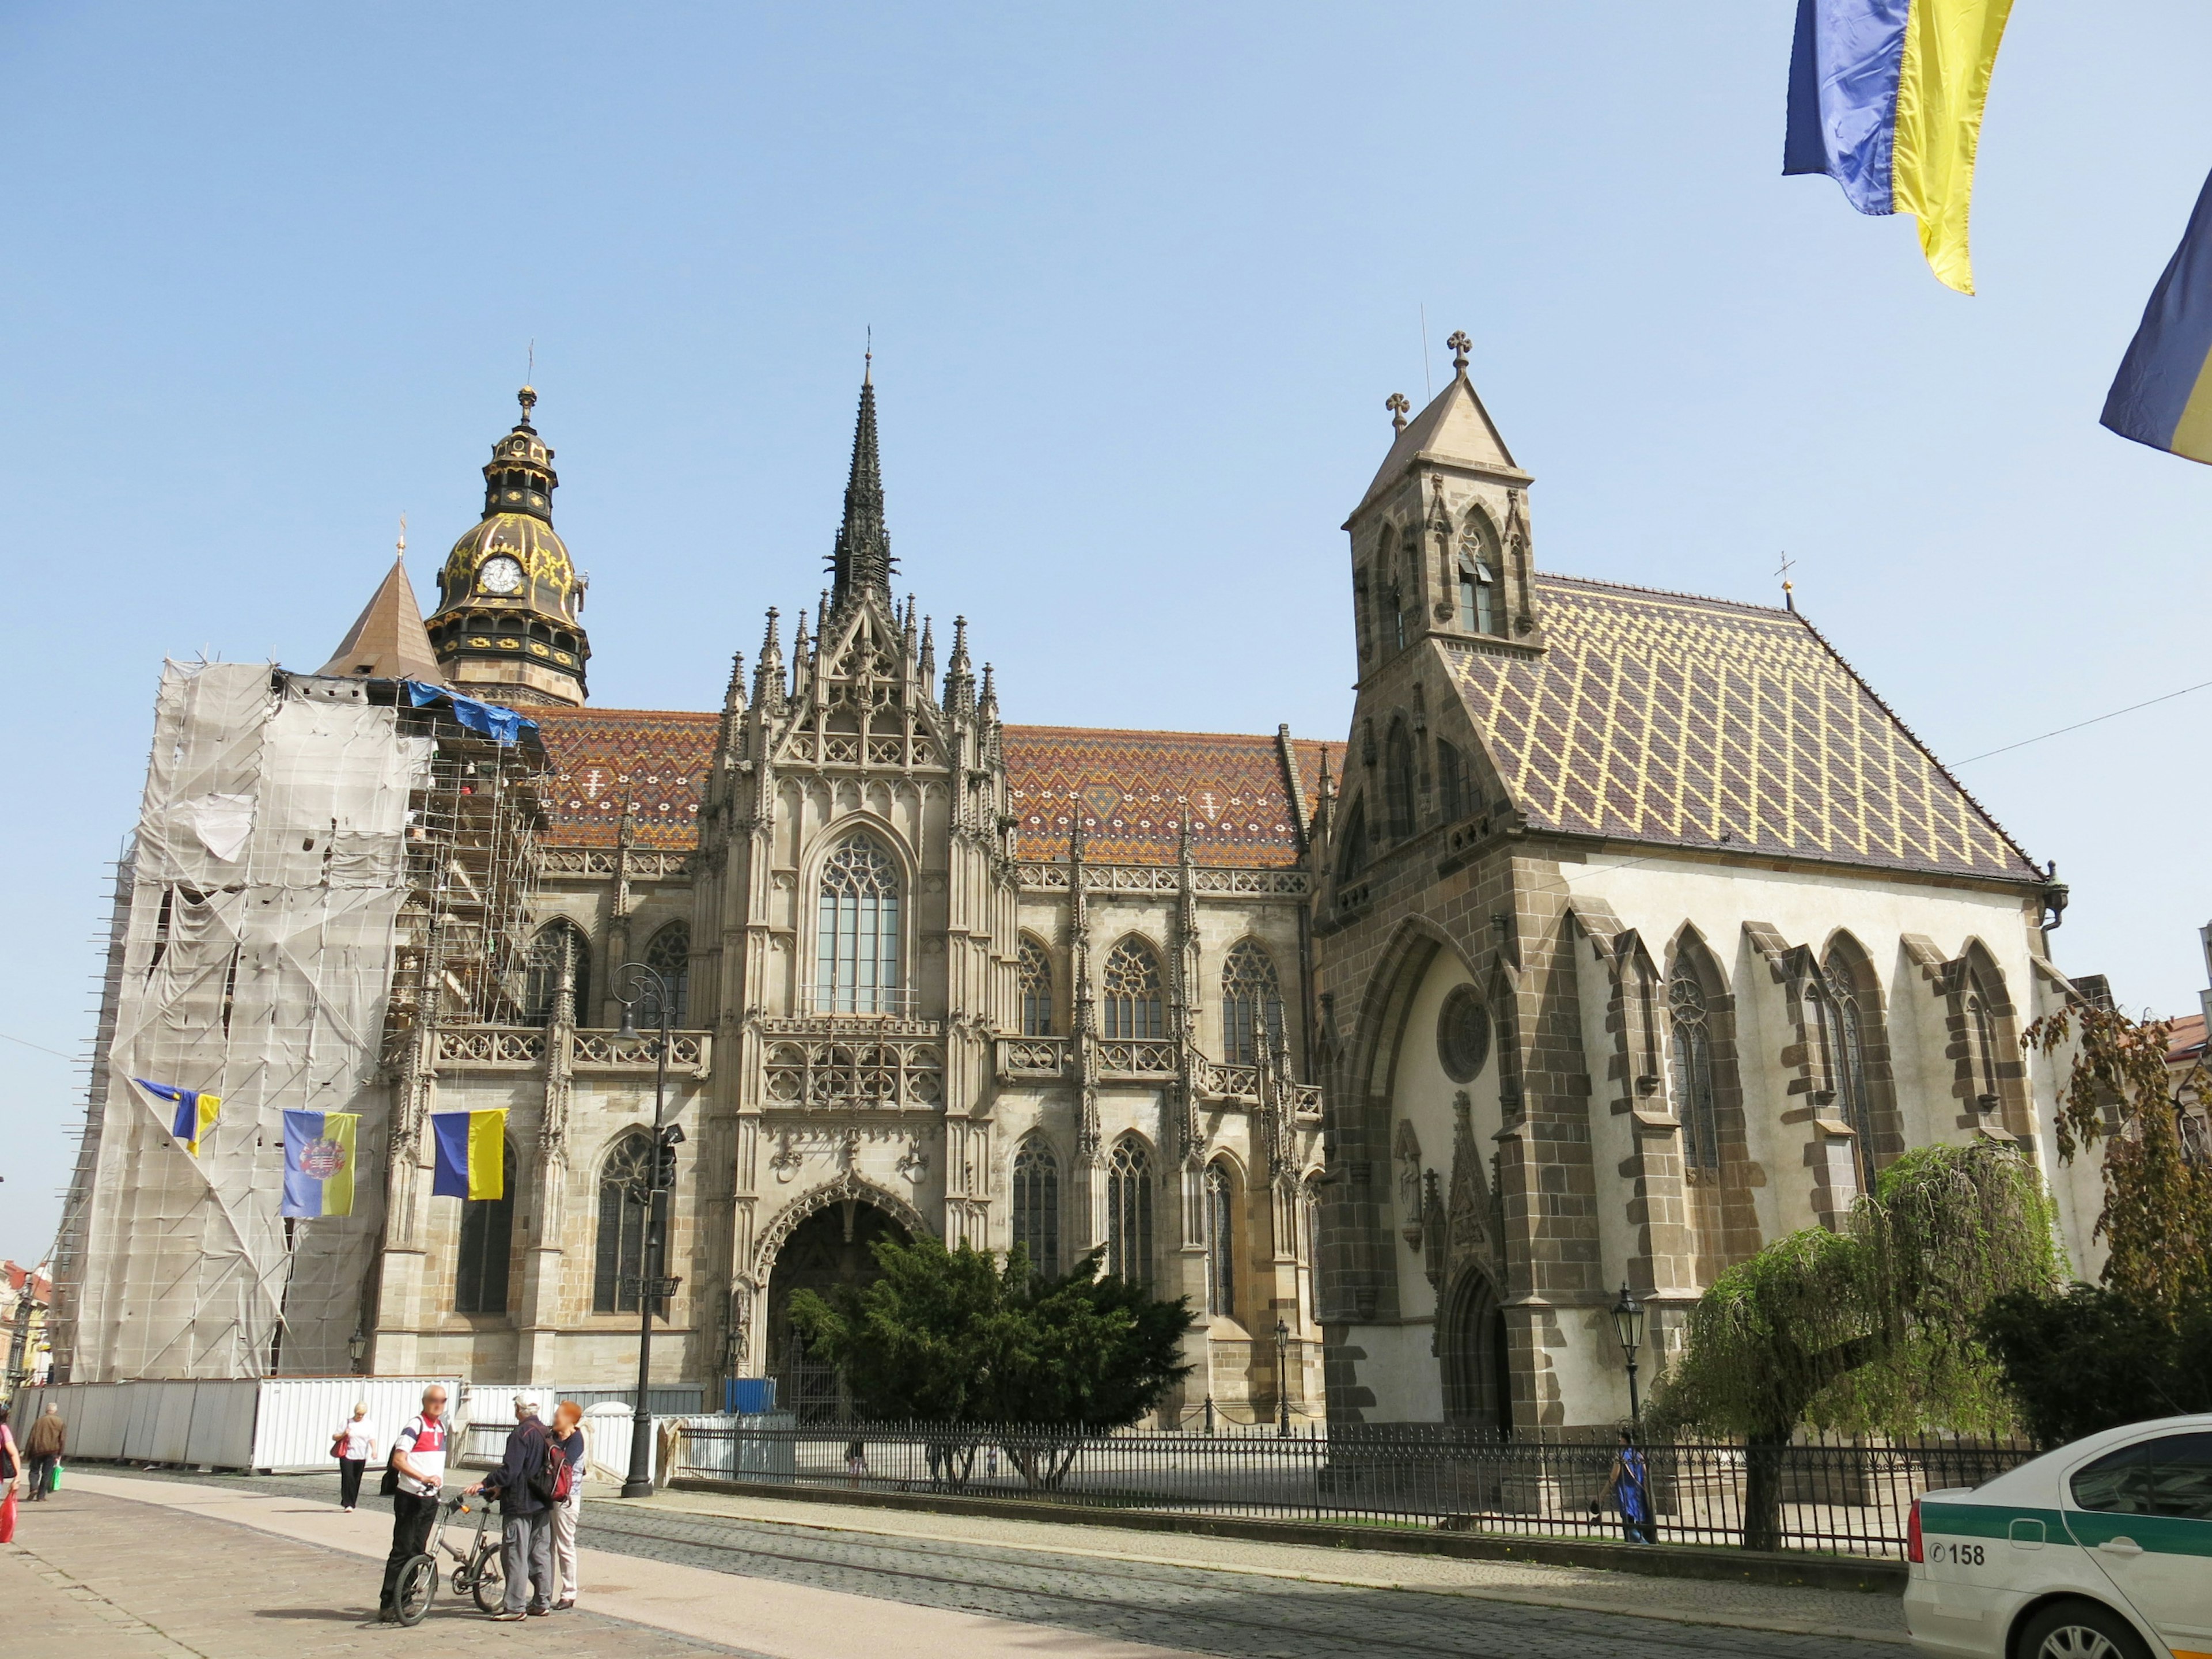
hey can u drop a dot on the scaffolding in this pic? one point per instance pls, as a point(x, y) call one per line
point(321, 870)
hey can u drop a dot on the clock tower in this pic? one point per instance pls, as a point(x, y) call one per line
point(505, 628)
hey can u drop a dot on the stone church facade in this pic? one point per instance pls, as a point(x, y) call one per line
point(1627, 931)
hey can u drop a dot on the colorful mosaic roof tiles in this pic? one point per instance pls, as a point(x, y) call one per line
point(1665, 717)
point(1131, 789)
point(605, 760)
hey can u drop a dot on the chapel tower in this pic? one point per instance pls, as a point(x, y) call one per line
point(505, 627)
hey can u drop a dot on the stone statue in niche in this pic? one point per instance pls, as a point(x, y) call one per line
point(1411, 1211)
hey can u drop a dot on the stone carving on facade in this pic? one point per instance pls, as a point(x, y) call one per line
point(1407, 1151)
point(1471, 1225)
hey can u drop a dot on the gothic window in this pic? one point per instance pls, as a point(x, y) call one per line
point(1820, 1037)
point(1251, 1003)
point(1352, 851)
point(1982, 1032)
point(1129, 1213)
point(856, 964)
point(1132, 987)
point(1036, 1205)
point(1308, 1246)
point(1397, 596)
point(1220, 1243)
point(542, 986)
point(1853, 1095)
point(1398, 783)
point(1036, 971)
point(1477, 588)
point(1690, 1056)
point(1361, 608)
point(1407, 596)
point(669, 955)
point(625, 1179)
point(486, 1243)
point(1451, 782)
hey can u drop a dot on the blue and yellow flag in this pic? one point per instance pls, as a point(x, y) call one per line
point(2162, 395)
point(1886, 98)
point(196, 1110)
point(318, 1161)
point(471, 1147)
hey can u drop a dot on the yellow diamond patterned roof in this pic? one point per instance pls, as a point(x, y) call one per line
point(1660, 717)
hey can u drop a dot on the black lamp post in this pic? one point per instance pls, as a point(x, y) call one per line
point(643, 981)
point(1628, 1326)
point(1282, 1380)
point(356, 1345)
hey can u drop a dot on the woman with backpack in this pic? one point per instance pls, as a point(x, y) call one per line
point(567, 1443)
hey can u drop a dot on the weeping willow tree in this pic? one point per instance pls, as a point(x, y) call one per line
point(1868, 1328)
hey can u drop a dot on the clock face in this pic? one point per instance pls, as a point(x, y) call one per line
point(500, 576)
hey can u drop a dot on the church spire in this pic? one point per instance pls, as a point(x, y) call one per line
point(387, 641)
point(862, 562)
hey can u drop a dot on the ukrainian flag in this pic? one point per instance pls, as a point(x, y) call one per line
point(1886, 98)
point(471, 1147)
point(196, 1110)
point(2162, 395)
point(318, 1161)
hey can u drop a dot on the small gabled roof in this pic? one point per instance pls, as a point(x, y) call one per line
point(1453, 427)
point(387, 641)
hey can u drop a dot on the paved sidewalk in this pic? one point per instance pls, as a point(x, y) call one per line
point(795, 1580)
point(127, 1567)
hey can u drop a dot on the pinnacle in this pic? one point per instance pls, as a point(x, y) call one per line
point(862, 560)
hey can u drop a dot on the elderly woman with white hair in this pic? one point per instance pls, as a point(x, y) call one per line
point(353, 1445)
point(524, 1481)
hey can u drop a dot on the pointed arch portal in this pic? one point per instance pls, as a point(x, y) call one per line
point(833, 1246)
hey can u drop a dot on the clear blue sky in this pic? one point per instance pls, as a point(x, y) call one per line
point(1140, 278)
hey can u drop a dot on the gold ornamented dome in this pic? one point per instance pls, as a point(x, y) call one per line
point(507, 627)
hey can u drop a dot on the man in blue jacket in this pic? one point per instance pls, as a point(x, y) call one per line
point(527, 1549)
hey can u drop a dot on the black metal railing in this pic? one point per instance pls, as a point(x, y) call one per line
point(1844, 1496)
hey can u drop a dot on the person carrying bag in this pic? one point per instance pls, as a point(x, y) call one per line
point(44, 1445)
point(11, 1473)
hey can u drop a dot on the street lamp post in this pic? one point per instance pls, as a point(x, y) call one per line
point(1628, 1326)
point(356, 1345)
point(643, 981)
point(1282, 1380)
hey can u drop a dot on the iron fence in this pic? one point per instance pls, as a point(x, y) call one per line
point(1850, 1496)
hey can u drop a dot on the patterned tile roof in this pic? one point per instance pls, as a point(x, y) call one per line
point(654, 760)
point(1127, 785)
point(1662, 717)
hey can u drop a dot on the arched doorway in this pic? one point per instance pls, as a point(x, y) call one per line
point(1477, 1376)
point(831, 1248)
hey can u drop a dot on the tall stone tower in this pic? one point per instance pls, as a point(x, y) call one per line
point(505, 627)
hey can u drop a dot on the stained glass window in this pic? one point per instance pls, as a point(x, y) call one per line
point(1251, 1003)
point(1220, 1243)
point(1132, 987)
point(1036, 971)
point(1690, 1056)
point(624, 1181)
point(487, 1246)
point(1129, 1213)
point(1036, 1204)
point(669, 955)
point(856, 964)
point(543, 983)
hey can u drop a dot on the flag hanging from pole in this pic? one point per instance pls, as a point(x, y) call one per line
point(471, 1150)
point(196, 1110)
point(318, 1164)
point(2162, 395)
point(1886, 98)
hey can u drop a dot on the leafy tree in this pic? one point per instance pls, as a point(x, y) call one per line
point(2088, 1359)
point(1869, 1329)
point(2157, 1214)
point(959, 1338)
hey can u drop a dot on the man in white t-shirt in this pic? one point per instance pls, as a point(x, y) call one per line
point(418, 1460)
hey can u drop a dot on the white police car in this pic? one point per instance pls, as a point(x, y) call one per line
point(2099, 1550)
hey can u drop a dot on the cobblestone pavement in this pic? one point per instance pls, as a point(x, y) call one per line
point(1239, 1614)
point(98, 1577)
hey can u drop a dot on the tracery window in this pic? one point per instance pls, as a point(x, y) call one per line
point(1036, 971)
point(1251, 1003)
point(1820, 1037)
point(669, 955)
point(541, 985)
point(487, 1246)
point(1351, 854)
point(1690, 1057)
point(1398, 783)
point(1129, 1213)
point(625, 1180)
point(1220, 1243)
point(856, 964)
point(1981, 1032)
point(1036, 1204)
point(1132, 987)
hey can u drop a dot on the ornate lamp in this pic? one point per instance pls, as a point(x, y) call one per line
point(1628, 1326)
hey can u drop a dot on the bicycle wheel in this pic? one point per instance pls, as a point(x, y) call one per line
point(484, 1572)
point(417, 1589)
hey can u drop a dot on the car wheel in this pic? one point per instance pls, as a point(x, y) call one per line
point(2079, 1630)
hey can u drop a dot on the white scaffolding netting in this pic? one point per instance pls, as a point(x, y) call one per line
point(266, 883)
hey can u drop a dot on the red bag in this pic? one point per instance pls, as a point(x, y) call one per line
point(338, 1445)
point(7, 1518)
